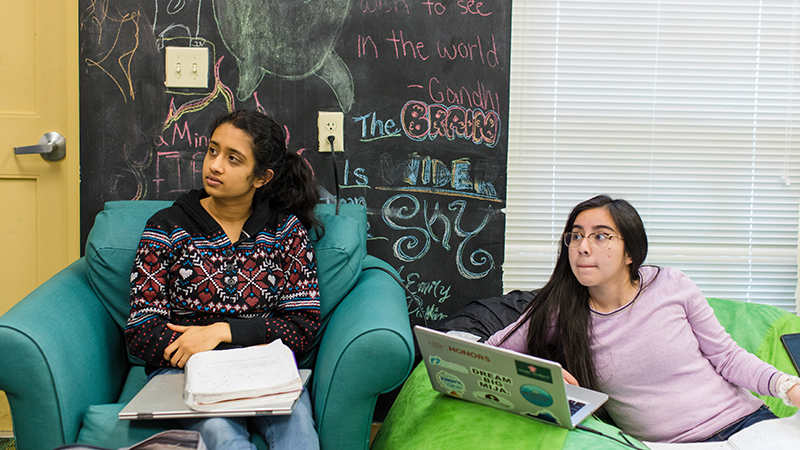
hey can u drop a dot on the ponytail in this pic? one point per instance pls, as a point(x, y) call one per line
point(294, 189)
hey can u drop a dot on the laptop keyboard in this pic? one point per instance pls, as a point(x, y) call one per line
point(575, 407)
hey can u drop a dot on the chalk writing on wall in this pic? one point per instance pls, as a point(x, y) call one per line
point(423, 85)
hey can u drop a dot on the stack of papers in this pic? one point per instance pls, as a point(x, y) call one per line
point(242, 378)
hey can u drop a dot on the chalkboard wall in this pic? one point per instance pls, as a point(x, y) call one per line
point(423, 84)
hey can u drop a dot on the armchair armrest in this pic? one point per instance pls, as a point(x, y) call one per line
point(61, 352)
point(367, 349)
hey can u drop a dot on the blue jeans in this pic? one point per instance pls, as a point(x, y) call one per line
point(762, 413)
point(285, 432)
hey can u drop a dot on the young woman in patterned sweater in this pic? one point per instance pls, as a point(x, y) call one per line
point(644, 335)
point(232, 265)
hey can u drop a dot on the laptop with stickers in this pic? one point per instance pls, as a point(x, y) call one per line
point(504, 379)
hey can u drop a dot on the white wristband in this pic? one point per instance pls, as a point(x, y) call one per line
point(784, 387)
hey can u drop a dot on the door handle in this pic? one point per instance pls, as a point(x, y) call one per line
point(52, 147)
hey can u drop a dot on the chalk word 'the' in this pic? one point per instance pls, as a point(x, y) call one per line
point(421, 120)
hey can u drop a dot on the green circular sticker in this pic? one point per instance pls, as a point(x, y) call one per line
point(536, 395)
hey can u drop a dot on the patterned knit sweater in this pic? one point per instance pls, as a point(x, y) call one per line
point(187, 272)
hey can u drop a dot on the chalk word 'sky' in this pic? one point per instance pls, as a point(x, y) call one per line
point(394, 210)
point(421, 120)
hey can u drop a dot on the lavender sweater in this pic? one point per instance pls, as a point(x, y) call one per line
point(672, 373)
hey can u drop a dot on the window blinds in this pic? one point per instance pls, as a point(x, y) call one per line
point(687, 109)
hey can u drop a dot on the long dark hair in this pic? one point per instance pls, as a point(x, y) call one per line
point(560, 321)
point(292, 188)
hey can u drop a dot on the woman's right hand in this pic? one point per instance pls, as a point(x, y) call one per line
point(195, 339)
point(569, 379)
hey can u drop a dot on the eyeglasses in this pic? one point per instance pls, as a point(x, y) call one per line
point(600, 240)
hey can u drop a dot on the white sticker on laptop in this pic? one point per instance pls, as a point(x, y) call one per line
point(492, 381)
point(438, 361)
point(451, 383)
point(464, 335)
point(493, 400)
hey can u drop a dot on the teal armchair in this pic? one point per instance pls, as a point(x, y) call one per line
point(67, 374)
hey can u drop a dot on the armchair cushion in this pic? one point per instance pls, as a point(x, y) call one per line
point(340, 252)
point(102, 428)
point(110, 249)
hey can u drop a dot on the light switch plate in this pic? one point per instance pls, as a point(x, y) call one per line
point(187, 67)
point(331, 123)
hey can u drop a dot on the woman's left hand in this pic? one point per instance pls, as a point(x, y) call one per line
point(569, 378)
point(195, 339)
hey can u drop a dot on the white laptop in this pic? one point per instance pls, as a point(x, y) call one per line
point(504, 379)
point(162, 398)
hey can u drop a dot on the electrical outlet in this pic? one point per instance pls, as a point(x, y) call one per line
point(331, 123)
point(186, 67)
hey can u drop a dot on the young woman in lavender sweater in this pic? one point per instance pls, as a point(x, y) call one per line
point(644, 335)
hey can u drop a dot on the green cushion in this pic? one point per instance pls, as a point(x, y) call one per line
point(421, 418)
point(758, 329)
point(747, 323)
